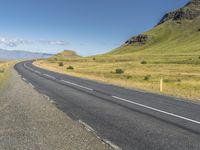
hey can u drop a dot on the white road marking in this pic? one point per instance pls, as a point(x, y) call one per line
point(89, 128)
point(77, 85)
point(37, 72)
point(154, 109)
point(28, 67)
point(31, 85)
point(32, 69)
point(49, 76)
point(24, 79)
point(25, 65)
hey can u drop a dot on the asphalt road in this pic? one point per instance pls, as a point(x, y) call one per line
point(130, 119)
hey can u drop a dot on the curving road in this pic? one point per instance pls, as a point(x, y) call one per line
point(130, 119)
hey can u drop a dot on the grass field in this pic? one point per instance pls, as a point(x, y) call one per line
point(180, 73)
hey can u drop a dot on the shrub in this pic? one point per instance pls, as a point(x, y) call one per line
point(94, 58)
point(60, 64)
point(70, 68)
point(119, 71)
point(147, 77)
point(143, 62)
point(199, 57)
point(128, 77)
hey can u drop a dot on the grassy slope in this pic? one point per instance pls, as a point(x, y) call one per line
point(169, 38)
point(173, 53)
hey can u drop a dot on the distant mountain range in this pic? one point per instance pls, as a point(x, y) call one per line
point(18, 54)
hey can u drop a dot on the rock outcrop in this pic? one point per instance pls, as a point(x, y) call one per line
point(139, 39)
point(190, 11)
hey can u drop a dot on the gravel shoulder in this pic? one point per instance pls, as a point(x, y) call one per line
point(29, 121)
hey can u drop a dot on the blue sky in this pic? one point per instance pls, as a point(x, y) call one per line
point(87, 26)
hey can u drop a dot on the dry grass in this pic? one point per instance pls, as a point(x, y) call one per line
point(5, 70)
point(180, 79)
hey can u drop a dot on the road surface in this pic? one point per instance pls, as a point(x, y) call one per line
point(130, 119)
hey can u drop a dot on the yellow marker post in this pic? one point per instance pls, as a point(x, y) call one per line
point(161, 84)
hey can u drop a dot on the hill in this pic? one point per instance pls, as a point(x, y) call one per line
point(65, 55)
point(178, 32)
point(17, 54)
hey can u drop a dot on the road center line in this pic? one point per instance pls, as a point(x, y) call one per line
point(49, 76)
point(37, 72)
point(77, 85)
point(157, 110)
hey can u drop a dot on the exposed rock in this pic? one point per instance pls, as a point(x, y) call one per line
point(140, 39)
point(190, 11)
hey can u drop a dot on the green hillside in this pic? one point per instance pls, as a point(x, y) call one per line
point(177, 33)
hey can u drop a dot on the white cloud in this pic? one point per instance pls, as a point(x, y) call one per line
point(54, 42)
point(13, 42)
point(17, 42)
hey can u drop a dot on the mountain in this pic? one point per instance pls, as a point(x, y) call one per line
point(177, 32)
point(17, 54)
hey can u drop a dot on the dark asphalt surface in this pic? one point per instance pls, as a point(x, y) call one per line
point(132, 120)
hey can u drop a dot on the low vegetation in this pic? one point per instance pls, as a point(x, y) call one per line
point(4, 71)
point(70, 68)
point(119, 71)
point(60, 64)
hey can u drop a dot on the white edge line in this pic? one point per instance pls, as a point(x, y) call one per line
point(24, 79)
point(78, 85)
point(31, 85)
point(90, 129)
point(154, 109)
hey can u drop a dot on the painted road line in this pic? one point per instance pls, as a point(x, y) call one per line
point(49, 76)
point(31, 85)
point(77, 85)
point(37, 72)
point(157, 110)
point(25, 65)
point(24, 79)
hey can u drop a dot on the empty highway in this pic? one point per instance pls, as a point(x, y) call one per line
point(129, 119)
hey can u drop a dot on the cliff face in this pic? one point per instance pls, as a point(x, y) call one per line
point(190, 11)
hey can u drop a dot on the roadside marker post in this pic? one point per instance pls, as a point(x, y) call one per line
point(161, 84)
